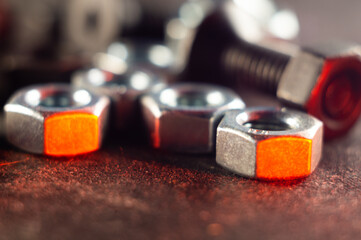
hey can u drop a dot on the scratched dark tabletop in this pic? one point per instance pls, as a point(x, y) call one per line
point(129, 191)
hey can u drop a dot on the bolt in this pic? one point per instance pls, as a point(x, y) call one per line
point(325, 82)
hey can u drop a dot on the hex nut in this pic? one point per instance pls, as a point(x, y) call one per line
point(269, 143)
point(151, 54)
point(184, 117)
point(123, 88)
point(56, 120)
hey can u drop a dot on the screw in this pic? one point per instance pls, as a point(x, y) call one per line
point(324, 82)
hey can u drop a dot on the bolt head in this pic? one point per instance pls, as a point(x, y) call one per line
point(327, 84)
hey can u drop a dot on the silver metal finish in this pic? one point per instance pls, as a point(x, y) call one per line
point(123, 88)
point(145, 53)
point(184, 117)
point(240, 131)
point(299, 78)
point(304, 68)
point(28, 109)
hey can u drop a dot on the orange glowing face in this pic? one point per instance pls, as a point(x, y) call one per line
point(70, 134)
point(284, 158)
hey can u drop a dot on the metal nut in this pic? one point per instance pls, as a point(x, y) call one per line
point(144, 53)
point(269, 143)
point(89, 26)
point(124, 89)
point(184, 117)
point(56, 120)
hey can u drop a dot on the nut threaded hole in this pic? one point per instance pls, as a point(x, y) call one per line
point(268, 124)
point(269, 119)
point(192, 98)
point(57, 99)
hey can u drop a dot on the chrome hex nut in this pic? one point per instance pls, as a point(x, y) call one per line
point(56, 120)
point(268, 143)
point(124, 88)
point(184, 117)
point(145, 53)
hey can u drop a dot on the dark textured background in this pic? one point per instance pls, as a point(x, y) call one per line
point(129, 191)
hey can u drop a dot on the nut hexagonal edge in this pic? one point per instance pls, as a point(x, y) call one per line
point(18, 118)
point(235, 150)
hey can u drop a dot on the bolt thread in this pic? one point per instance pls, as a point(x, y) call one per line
point(255, 66)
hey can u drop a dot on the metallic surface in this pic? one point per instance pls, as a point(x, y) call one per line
point(142, 52)
point(308, 82)
point(238, 144)
point(26, 117)
point(89, 26)
point(299, 78)
point(124, 90)
point(184, 117)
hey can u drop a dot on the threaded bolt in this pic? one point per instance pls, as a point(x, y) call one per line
point(255, 66)
point(312, 80)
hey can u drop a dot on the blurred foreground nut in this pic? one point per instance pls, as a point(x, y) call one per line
point(268, 143)
point(184, 117)
point(123, 88)
point(56, 120)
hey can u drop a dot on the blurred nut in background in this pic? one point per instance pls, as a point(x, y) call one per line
point(184, 117)
point(90, 25)
point(56, 120)
point(124, 87)
point(269, 143)
point(149, 53)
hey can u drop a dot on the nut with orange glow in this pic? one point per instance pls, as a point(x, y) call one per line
point(56, 120)
point(184, 117)
point(268, 143)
